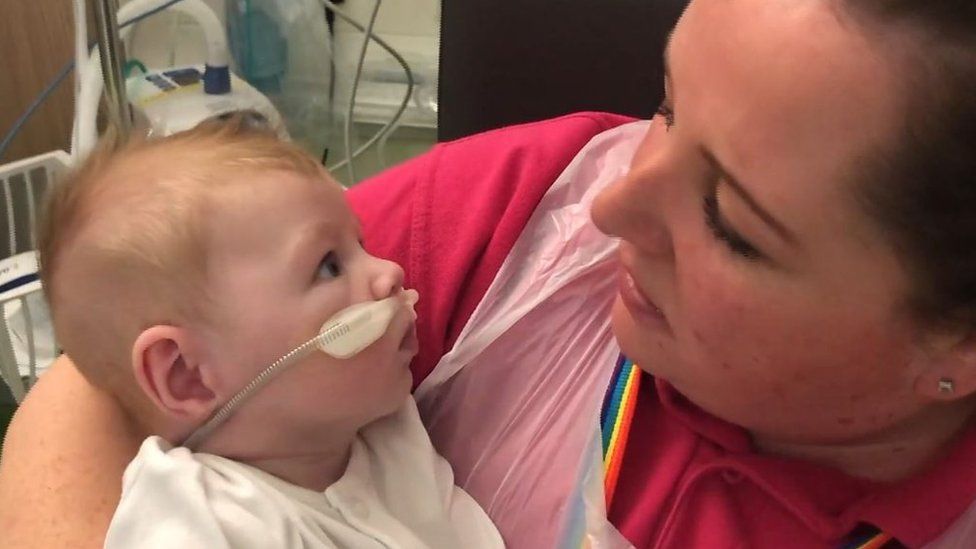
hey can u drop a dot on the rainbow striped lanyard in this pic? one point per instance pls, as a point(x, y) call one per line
point(616, 419)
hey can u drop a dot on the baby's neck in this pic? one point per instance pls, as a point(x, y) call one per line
point(312, 458)
point(313, 470)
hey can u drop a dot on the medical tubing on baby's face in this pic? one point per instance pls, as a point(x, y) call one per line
point(343, 336)
point(265, 376)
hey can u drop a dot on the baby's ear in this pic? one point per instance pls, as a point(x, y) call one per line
point(168, 366)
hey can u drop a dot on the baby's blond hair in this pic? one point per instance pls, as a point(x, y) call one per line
point(123, 239)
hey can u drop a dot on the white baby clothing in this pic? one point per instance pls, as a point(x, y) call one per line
point(396, 492)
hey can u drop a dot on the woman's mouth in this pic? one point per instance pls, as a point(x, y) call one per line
point(638, 304)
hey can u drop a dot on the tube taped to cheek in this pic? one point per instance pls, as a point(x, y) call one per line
point(354, 328)
point(344, 335)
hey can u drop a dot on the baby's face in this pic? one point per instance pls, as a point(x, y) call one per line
point(286, 255)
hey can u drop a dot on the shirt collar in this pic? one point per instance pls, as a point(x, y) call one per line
point(915, 511)
point(918, 510)
point(730, 437)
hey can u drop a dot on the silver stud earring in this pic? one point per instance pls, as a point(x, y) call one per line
point(946, 386)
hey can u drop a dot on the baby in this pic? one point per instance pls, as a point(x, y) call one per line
point(178, 270)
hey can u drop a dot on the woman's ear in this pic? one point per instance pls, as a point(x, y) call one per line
point(951, 372)
point(168, 366)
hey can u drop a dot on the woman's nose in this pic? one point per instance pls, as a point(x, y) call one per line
point(631, 209)
point(634, 208)
point(386, 278)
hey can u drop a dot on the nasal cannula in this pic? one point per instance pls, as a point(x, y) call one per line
point(344, 335)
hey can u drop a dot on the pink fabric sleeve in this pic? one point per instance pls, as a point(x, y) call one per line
point(450, 216)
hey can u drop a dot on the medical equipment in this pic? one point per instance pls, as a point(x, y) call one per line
point(173, 100)
point(283, 48)
point(217, 56)
point(343, 336)
point(391, 125)
point(81, 55)
point(176, 98)
point(27, 320)
point(88, 84)
point(27, 344)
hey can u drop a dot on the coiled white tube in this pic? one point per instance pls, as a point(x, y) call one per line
point(343, 336)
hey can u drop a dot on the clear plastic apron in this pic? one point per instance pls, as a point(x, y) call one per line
point(515, 405)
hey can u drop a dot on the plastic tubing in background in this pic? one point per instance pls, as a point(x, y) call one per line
point(347, 123)
point(368, 32)
point(80, 56)
point(60, 76)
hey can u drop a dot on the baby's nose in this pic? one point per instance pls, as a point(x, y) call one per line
point(386, 280)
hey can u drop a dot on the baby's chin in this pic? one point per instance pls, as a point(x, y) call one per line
point(391, 396)
point(389, 405)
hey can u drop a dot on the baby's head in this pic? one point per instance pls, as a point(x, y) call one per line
point(177, 269)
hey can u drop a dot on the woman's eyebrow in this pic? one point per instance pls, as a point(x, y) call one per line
point(753, 204)
point(735, 184)
point(730, 179)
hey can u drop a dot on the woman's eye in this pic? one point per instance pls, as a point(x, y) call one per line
point(667, 113)
point(722, 232)
point(329, 267)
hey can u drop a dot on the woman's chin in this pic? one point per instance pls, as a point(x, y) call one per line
point(646, 348)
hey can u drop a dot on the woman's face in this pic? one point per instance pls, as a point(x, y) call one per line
point(751, 280)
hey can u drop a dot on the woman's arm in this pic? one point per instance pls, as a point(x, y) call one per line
point(62, 463)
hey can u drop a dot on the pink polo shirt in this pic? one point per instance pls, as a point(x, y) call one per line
point(688, 479)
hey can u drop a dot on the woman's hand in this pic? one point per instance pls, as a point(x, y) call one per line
point(62, 463)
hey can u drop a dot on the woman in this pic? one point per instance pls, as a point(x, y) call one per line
point(796, 274)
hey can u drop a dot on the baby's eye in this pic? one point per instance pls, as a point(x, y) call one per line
point(329, 267)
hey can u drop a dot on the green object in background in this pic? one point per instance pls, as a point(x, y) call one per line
point(132, 64)
point(284, 49)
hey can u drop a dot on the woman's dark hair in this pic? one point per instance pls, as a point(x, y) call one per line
point(923, 190)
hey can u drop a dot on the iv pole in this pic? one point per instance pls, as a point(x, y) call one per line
point(110, 49)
